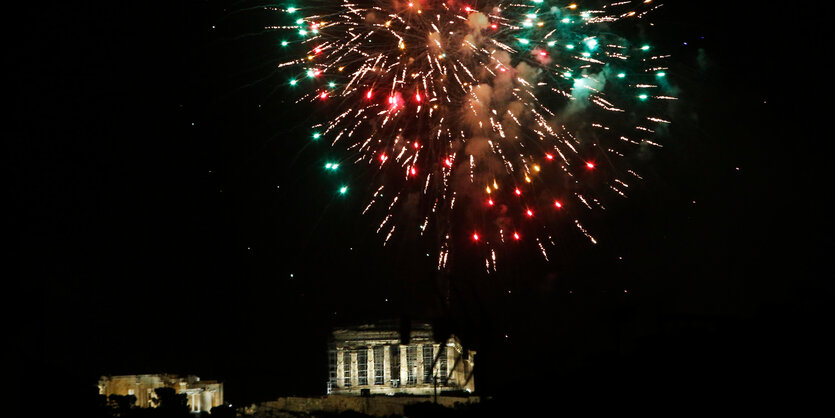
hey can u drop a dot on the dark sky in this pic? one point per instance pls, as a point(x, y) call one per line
point(169, 216)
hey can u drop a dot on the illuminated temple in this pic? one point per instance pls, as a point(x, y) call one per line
point(384, 359)
point(201, 395)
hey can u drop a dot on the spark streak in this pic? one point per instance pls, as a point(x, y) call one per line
point(476, 101)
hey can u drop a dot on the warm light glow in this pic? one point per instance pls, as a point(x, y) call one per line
point(395, 101)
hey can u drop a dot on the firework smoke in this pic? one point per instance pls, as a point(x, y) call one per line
point(518, 114)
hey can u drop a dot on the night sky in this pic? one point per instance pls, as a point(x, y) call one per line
point(170, 215)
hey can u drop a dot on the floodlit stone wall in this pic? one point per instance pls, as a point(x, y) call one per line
point(374, 405)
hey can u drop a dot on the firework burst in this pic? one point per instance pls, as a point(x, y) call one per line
point(508, 115)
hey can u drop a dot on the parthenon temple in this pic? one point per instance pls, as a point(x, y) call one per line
point(382, 358)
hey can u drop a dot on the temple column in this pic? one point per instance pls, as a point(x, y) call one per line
point(419, 364)
point(340, 368)
point(354, 370)
point(386, 364)
point(437, 366)
point(404, 366)
point(369, 366)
